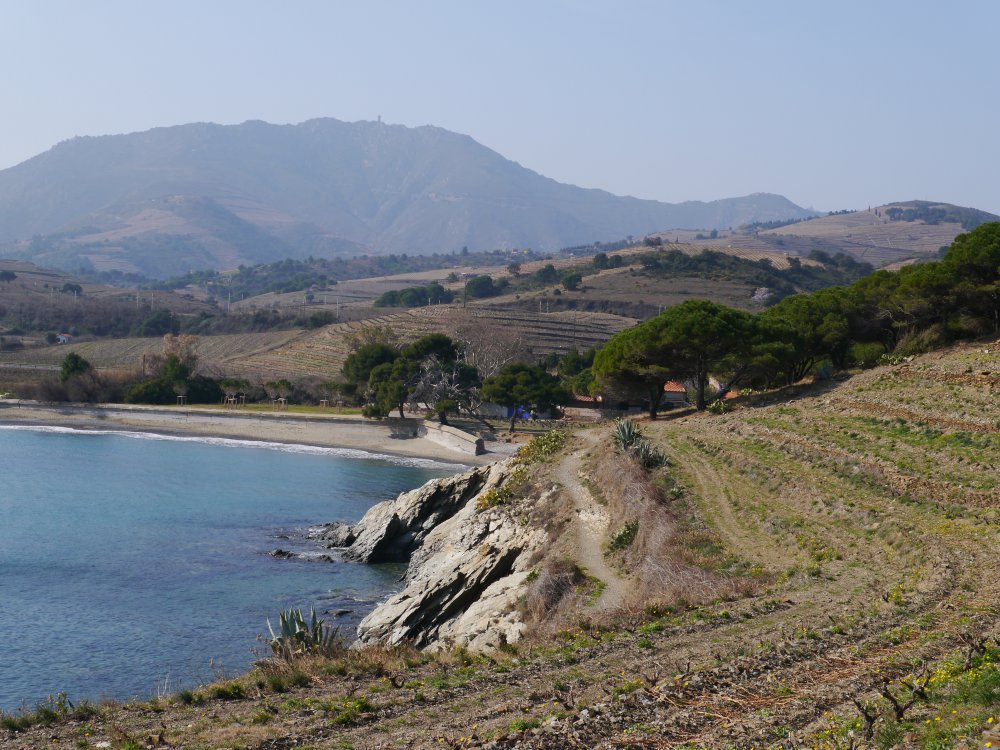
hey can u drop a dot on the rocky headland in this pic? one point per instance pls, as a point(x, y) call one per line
point(467, 565)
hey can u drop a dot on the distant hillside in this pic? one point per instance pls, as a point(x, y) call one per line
point(35, 300)
point(199, 196)
point(881, 235)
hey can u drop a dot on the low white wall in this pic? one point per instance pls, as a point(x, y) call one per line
point(451, 438)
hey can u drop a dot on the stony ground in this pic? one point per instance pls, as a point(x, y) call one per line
point(866, 508)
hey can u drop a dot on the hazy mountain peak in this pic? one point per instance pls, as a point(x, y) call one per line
point(320, 187)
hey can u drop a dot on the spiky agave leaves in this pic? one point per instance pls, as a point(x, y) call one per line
point(627, 437)
point(625, 434)
point(296, 636)
point(648, 456)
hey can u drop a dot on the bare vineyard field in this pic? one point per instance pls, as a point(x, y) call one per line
point(214, 352)
point(41, 285)
point(864, 235)
point(620, 286)
point(321, 353)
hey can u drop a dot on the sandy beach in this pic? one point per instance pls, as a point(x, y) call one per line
point(335, 431)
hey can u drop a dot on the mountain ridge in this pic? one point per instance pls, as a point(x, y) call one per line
point(322, 187)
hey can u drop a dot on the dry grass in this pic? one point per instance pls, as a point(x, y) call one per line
point(674, 558)
point(555, 588)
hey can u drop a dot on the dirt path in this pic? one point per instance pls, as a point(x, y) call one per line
point(590, 525)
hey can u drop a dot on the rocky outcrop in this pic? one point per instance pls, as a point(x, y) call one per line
point(467, 567)
point(392, 530)
point(462, 585)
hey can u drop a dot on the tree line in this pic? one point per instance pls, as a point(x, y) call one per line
point(896, 313)
point(917, 308)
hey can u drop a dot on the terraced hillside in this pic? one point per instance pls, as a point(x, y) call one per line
point(298, 354)
point(866, 510)
point(869, 235)
point(321, 353)
point(214, 353)
point(866, 235)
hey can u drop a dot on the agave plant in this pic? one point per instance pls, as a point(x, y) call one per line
point(649, 456)
point(625, 434)
point(296, 637)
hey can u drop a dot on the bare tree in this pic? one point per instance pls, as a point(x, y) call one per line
point(184, 347)
point(489, 344)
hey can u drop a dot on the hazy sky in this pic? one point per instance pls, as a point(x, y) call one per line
point(835, 105)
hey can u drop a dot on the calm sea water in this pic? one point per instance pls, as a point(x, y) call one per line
point(131, 564)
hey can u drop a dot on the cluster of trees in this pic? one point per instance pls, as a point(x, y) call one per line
point(548, 275)
point(483, 287)
point(835, 270)
point(97, 316)
point(415, 296)
point(434, 374)
point(931, 213)
point(759, 226)
point(280, 277)
point(603, 260)
point(428, 372)
point(916, 308)
point(175, 377)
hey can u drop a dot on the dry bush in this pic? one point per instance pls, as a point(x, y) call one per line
point(556, 582)
point(366, 661)
point(90, 387)
point(45, 390)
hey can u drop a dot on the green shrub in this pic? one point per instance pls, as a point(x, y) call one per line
point(623, 537)
point(189, 698)
point(719, 406)
point(866, 355)
point(540, 447)
point(350, 711)
point(227, 691)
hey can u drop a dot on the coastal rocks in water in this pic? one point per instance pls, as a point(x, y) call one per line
point(466, 571)
point(392, 530)
point(281, 554)
point(337, 534)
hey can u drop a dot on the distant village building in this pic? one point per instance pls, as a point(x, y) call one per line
point(64, 338)
point(587, 408)
point(674, 394)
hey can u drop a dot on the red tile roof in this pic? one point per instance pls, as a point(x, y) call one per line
point(672, 386)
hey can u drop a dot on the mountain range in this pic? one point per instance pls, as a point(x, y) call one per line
point(198, 196)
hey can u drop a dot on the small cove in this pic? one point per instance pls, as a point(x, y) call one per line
point(133, 563)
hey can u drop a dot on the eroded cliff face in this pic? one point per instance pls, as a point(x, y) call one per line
point(467, 567)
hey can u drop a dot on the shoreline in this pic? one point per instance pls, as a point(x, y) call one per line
point(335, 431)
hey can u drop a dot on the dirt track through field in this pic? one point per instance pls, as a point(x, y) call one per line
point(590, 526)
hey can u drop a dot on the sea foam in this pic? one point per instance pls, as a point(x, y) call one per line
point(316, 450)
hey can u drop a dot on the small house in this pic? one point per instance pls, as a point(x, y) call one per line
point(586, 408)
point(64, 338)
point(674, 394)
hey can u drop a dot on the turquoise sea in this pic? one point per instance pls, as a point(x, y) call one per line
point(132, 564)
